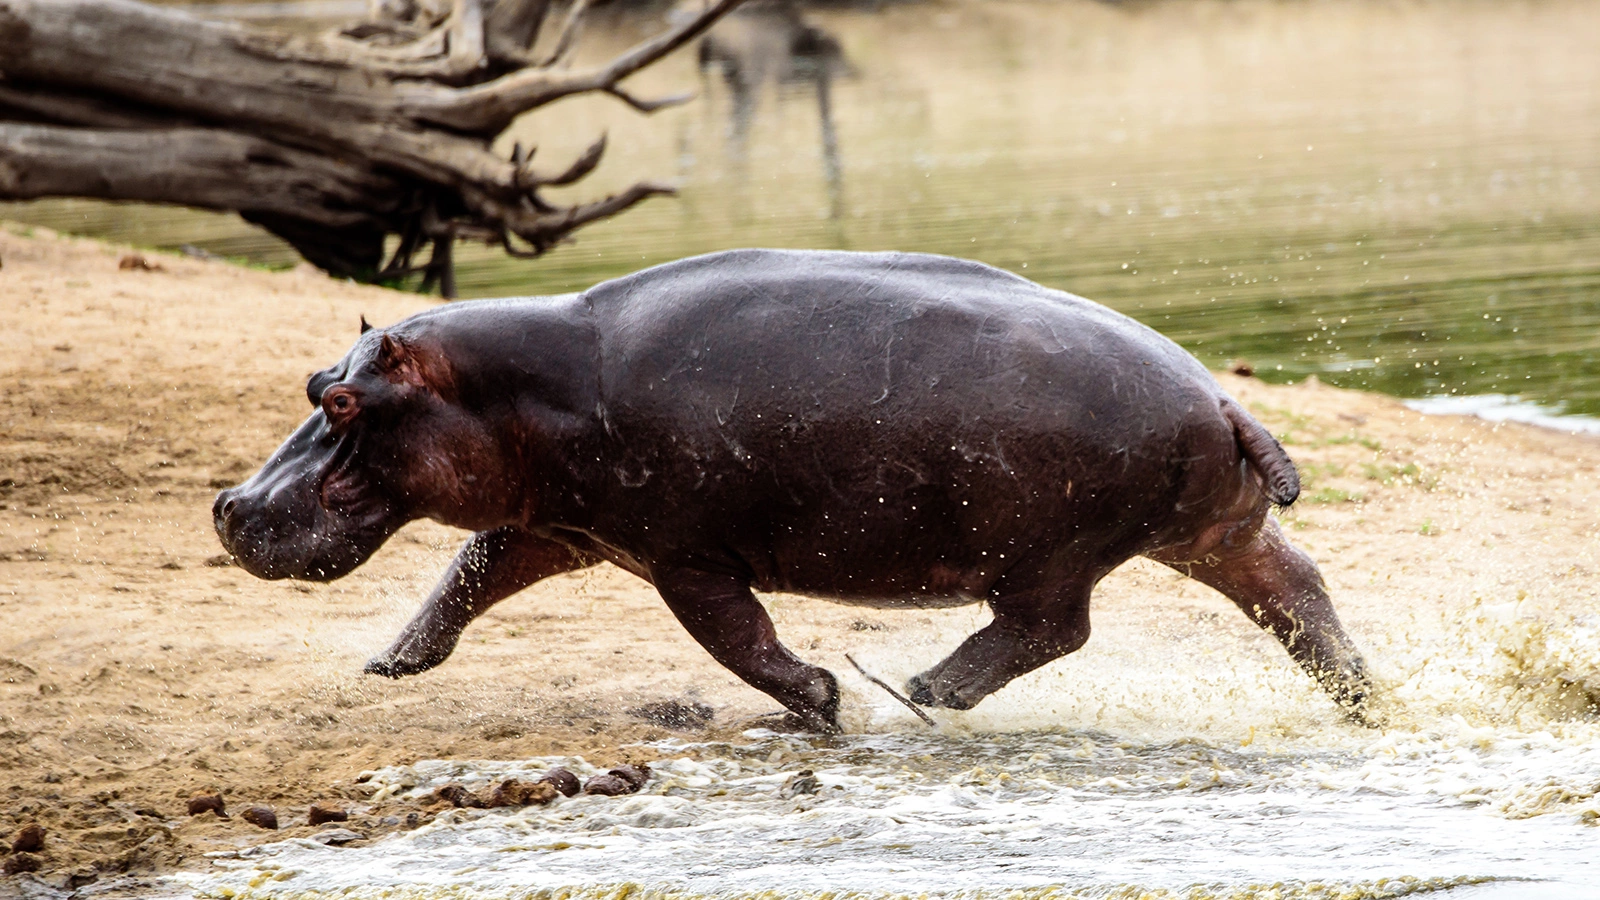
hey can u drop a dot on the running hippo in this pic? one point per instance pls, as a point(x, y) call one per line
point(892, 430)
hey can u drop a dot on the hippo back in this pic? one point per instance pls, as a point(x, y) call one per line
point(898, 339)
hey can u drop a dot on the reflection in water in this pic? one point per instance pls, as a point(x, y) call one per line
point(1399, 197)
point(769, 42)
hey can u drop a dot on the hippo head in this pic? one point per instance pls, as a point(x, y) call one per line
point(388, 442)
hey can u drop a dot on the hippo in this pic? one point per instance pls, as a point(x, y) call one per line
point(893, 430)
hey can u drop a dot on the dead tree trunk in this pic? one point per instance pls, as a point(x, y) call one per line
point(333, 142)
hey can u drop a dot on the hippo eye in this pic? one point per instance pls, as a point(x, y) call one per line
point(340, 404)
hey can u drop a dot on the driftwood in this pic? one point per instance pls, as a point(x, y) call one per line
point(335, 142)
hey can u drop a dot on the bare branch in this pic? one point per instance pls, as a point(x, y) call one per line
point(514, 26)
point(568, 36)
point(544, 230)
point(466, 38)
point(452, 51)
point(202, 167)
point(488, 108)
point(649, 106)
point(572, 217)
point(583, 165)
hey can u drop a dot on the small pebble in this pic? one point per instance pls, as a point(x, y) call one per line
point(608, 785)
point(17, 863)
point(261, 817)
point(458, 796)
point(321, 814)
point(201, 803)
point(634, 775)
point(137, 262)
point(28, 839)
point(563, 781)
point(513, 792)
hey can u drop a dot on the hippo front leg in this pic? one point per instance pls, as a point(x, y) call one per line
point(721, 613)
point(490, 567)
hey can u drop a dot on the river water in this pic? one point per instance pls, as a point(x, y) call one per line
point(1201, 775)
point(1403, 197)
point(1020, 815)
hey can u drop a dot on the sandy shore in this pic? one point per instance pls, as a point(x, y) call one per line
point(137, 669)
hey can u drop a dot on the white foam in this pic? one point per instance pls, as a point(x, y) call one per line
point(1506, 408)
point(908, 815)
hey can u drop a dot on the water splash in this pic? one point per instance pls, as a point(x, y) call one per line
point(1068, 814)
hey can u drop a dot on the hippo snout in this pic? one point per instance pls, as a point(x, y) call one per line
point(275, 526)
point(246, 530)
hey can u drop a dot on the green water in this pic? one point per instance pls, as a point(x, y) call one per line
point(1400, 197)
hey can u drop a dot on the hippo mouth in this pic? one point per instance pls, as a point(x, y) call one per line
point(342, 489)
point(311, 513)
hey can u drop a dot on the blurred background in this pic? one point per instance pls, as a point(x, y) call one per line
point(1395, 196)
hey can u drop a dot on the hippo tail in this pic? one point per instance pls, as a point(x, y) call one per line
point(1279, 479)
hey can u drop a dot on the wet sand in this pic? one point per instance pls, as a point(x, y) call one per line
point(135, 671)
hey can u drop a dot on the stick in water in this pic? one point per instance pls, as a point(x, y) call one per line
point(892, 692)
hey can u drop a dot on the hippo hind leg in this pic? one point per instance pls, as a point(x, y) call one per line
point(721, 613)
point(491, 566)
point(1280, 589)
point(1031, 627)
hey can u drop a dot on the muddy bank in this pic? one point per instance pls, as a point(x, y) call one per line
point(136, 671)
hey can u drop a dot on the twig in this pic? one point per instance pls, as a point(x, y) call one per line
point(569, 33)
point(526, 179)
point(648, 106)
point(892, 692)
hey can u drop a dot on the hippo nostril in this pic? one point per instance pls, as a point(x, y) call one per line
point(223, 507)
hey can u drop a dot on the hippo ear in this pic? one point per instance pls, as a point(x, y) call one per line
point(407, 363)
point(365, 325)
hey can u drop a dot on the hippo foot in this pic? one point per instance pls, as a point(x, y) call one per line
point(407, 657)
point(391, 668)
point(1354, 705)
point(1350, 688)
point(921, 691)
point(1359, 715)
